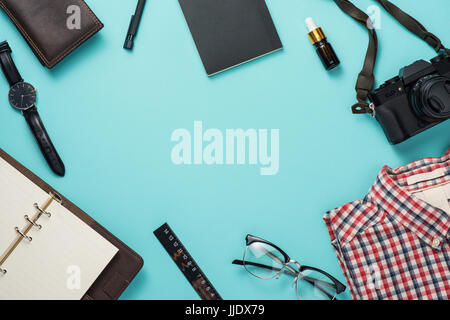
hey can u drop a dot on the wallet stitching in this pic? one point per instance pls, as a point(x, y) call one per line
point(58, 58)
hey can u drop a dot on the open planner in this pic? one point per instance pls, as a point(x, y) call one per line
point(50, 249)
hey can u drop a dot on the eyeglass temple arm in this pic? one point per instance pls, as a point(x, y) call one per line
point(312, 281)
point(340, 287)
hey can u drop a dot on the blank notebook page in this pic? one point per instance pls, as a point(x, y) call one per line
point(63, 259)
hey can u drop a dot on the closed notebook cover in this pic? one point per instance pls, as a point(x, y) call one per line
point(52, 28)
point(228, 33)
point(122, 269)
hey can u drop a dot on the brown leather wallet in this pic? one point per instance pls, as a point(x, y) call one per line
point(122, 269)
point(52, 28)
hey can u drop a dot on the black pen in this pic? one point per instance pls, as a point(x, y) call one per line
point(134, 24)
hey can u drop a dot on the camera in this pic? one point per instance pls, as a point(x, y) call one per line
point(417, 99)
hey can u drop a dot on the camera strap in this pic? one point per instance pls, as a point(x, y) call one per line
point(366, 79)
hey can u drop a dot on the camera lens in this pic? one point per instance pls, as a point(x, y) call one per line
point(430, 98)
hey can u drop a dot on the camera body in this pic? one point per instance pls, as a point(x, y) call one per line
point(417, 99)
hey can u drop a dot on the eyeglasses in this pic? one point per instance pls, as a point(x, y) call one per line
point(265, 260)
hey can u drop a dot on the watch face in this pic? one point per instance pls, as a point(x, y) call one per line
point(22, 96)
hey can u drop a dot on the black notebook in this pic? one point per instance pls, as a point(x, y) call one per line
point(228, 33)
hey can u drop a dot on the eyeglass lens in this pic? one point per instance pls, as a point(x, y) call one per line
point(258, 253)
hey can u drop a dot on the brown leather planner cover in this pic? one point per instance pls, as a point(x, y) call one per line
point(52, 28)
point(122, 269)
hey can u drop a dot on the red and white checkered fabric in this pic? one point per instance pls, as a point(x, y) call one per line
point(393, 245)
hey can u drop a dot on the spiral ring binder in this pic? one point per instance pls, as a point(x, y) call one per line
point(42, 211)
point(22, 234)
point(32, 222)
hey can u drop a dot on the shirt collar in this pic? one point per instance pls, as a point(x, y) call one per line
point(392, 193)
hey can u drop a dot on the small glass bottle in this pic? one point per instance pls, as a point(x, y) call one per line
point(323, 47)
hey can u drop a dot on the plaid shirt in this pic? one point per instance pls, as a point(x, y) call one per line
point(393, 245)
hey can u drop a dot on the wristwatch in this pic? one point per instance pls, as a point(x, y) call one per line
point(22, 96)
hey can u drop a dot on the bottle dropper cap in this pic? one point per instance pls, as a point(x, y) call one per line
point(315, 33)
point(310, 24)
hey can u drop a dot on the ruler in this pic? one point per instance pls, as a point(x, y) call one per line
point(186, 263)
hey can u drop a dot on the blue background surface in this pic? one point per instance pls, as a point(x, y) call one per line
point(111, 113)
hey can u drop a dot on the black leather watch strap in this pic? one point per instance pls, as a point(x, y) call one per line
point(45, 144)
point(8, 66)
